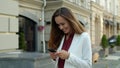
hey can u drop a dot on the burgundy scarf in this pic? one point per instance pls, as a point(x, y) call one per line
point(65, 46)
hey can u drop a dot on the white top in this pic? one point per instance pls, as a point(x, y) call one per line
point(80, 52)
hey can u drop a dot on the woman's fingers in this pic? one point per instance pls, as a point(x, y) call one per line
point(52, 55)
point(62, 54)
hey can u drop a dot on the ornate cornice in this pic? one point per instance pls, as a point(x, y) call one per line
point(77, 8)
point(107, 15)
point(32, 4)
point(96, 6)
point(51, 5)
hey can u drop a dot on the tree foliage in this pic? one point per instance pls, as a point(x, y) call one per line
point(104, 42)
point(118, 40)
point(22, 44)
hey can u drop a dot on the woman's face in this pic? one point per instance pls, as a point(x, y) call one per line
point(63, 24)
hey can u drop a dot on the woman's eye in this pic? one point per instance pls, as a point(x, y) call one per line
point(62, 24)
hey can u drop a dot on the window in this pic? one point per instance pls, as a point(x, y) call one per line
point(71, 0)
point(105, 4)
point(83, 3)
point(98, 1)
point(110, 7)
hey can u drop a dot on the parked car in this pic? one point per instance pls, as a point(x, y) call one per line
point(112, 40)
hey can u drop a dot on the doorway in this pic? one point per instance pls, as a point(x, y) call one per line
point(28, 27)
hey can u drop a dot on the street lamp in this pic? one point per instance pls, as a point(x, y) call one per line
point(114, 9)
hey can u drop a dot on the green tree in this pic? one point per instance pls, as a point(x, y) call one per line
point(104, 42)
point(22, 44)
point(118, 40)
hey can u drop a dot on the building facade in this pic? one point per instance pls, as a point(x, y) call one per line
point(8, 25)
point(104, 19)
point(33, 18)
point(17, 16)
point(30, 14)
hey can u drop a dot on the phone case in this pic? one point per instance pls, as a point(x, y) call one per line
point(51, 50)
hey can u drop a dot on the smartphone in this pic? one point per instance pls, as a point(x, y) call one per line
point(51, 50)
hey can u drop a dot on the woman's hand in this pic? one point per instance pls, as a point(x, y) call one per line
point(53, 55)
point(63, 54)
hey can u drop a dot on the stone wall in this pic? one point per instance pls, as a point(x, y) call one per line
point(8, 24)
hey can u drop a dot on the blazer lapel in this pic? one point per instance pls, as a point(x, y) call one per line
point(74, 42)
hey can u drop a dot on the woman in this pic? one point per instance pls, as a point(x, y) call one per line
point(70, 40)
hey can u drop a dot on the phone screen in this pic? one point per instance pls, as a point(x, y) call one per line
point(51, 50)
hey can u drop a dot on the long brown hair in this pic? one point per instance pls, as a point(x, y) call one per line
point(56, 34)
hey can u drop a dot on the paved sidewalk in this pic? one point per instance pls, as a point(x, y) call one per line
point(111, 57)
point(112, 61)
point(107, 64)
point(25, 60)
point(114, 56)
point(117, 53)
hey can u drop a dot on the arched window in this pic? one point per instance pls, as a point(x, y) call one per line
point(28, 28)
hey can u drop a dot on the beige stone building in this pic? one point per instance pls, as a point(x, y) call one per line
point(8, 25)
point(30, 14)
point(33, 18)
point(16, 16)
point(105, 20)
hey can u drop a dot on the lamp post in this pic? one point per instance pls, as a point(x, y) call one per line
point(43, 23)
point(115, 25)
point(114, 21)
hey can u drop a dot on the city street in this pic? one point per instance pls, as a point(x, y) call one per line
point(112, 61)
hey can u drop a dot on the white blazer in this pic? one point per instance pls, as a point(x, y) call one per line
point(80, 52)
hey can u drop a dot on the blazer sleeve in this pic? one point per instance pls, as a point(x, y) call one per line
point(86, 60)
